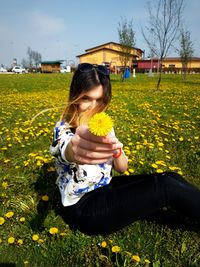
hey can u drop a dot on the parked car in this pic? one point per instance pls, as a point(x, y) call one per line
point(18, 69)
point(65, 69)
point(3, 70)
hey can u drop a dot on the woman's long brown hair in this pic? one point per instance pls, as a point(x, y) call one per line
point(82, 82)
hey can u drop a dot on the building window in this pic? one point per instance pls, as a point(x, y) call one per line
point(171, 66)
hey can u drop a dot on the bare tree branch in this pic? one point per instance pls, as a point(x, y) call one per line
point(164, 24)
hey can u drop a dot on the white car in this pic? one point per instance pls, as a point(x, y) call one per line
point(65, 69)
point(18, 69)
point(3, 70)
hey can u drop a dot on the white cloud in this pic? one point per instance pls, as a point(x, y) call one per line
point(47, 25)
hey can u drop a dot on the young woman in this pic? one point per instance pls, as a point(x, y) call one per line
point(94, 201)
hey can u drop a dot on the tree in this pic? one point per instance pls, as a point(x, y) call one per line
point(34, 58)
point(25, 63)
point(164, 25)
point(126, 40)
point(186, 50)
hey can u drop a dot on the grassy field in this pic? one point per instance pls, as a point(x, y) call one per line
point(160, 132)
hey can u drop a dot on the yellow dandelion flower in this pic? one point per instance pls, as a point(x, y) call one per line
point(115, 249)
point(11, 240)
point(160, 162)
point(159, 170)
point(147, 261)
point(20, 242)
point(35, 237)
point(39, 163)
point(131, 170)
point(22, 219)
point(181, 139)
point(4, 184)
point(155, 166)
point(9, 214)
point(103, 244)
point(63, 234)
point(53, 230)
point(45, 198)
point(2, 220)
point(6, 160)
point(136, 258)
point(51, 169)
point(160, 144)
point(100, 124)
point(173, 168)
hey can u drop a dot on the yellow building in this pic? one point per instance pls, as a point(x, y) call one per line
point(109, 54)
point(175, 62)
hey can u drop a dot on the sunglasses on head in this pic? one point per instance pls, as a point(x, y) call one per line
point(86, 67)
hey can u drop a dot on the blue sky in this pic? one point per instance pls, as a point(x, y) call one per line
point(63, 29)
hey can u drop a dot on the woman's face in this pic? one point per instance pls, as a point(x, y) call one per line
point(91, 99)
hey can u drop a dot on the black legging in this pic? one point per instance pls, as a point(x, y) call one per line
point(129, 198)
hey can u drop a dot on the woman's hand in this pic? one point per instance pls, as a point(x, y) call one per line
point(86, 148)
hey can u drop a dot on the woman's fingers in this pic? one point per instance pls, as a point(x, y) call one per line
point(90, 149)
point(85, 134)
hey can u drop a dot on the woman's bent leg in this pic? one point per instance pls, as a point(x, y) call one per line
point(129, 198)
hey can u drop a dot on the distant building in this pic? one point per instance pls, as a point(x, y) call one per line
point(50, 66)
point(109, 54)
point(169, 65)
point(175, 64)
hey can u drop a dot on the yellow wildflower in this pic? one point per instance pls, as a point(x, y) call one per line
point(131, 170)
point(6, 160)
point(45, 198)
point(115, 249)
point(20, 242)
point(9, 214)
point(51, 169)
point(2, 220)
point(103, 244)
point(22, 219)
point(4, 184)
point(11, 240)
point(53, 230)
point(160, 144)
point(136, 258)
point(63, 234)
point(155, 166)
point(35, 237)
point(40, 241)
point(100, 124)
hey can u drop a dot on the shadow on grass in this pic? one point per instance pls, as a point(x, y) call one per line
point(46, 185)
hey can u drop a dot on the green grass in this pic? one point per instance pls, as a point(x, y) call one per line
point(160, 132)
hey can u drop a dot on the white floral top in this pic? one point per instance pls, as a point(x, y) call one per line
point(75, 180)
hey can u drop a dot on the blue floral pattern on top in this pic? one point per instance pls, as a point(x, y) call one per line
point(75, 180)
